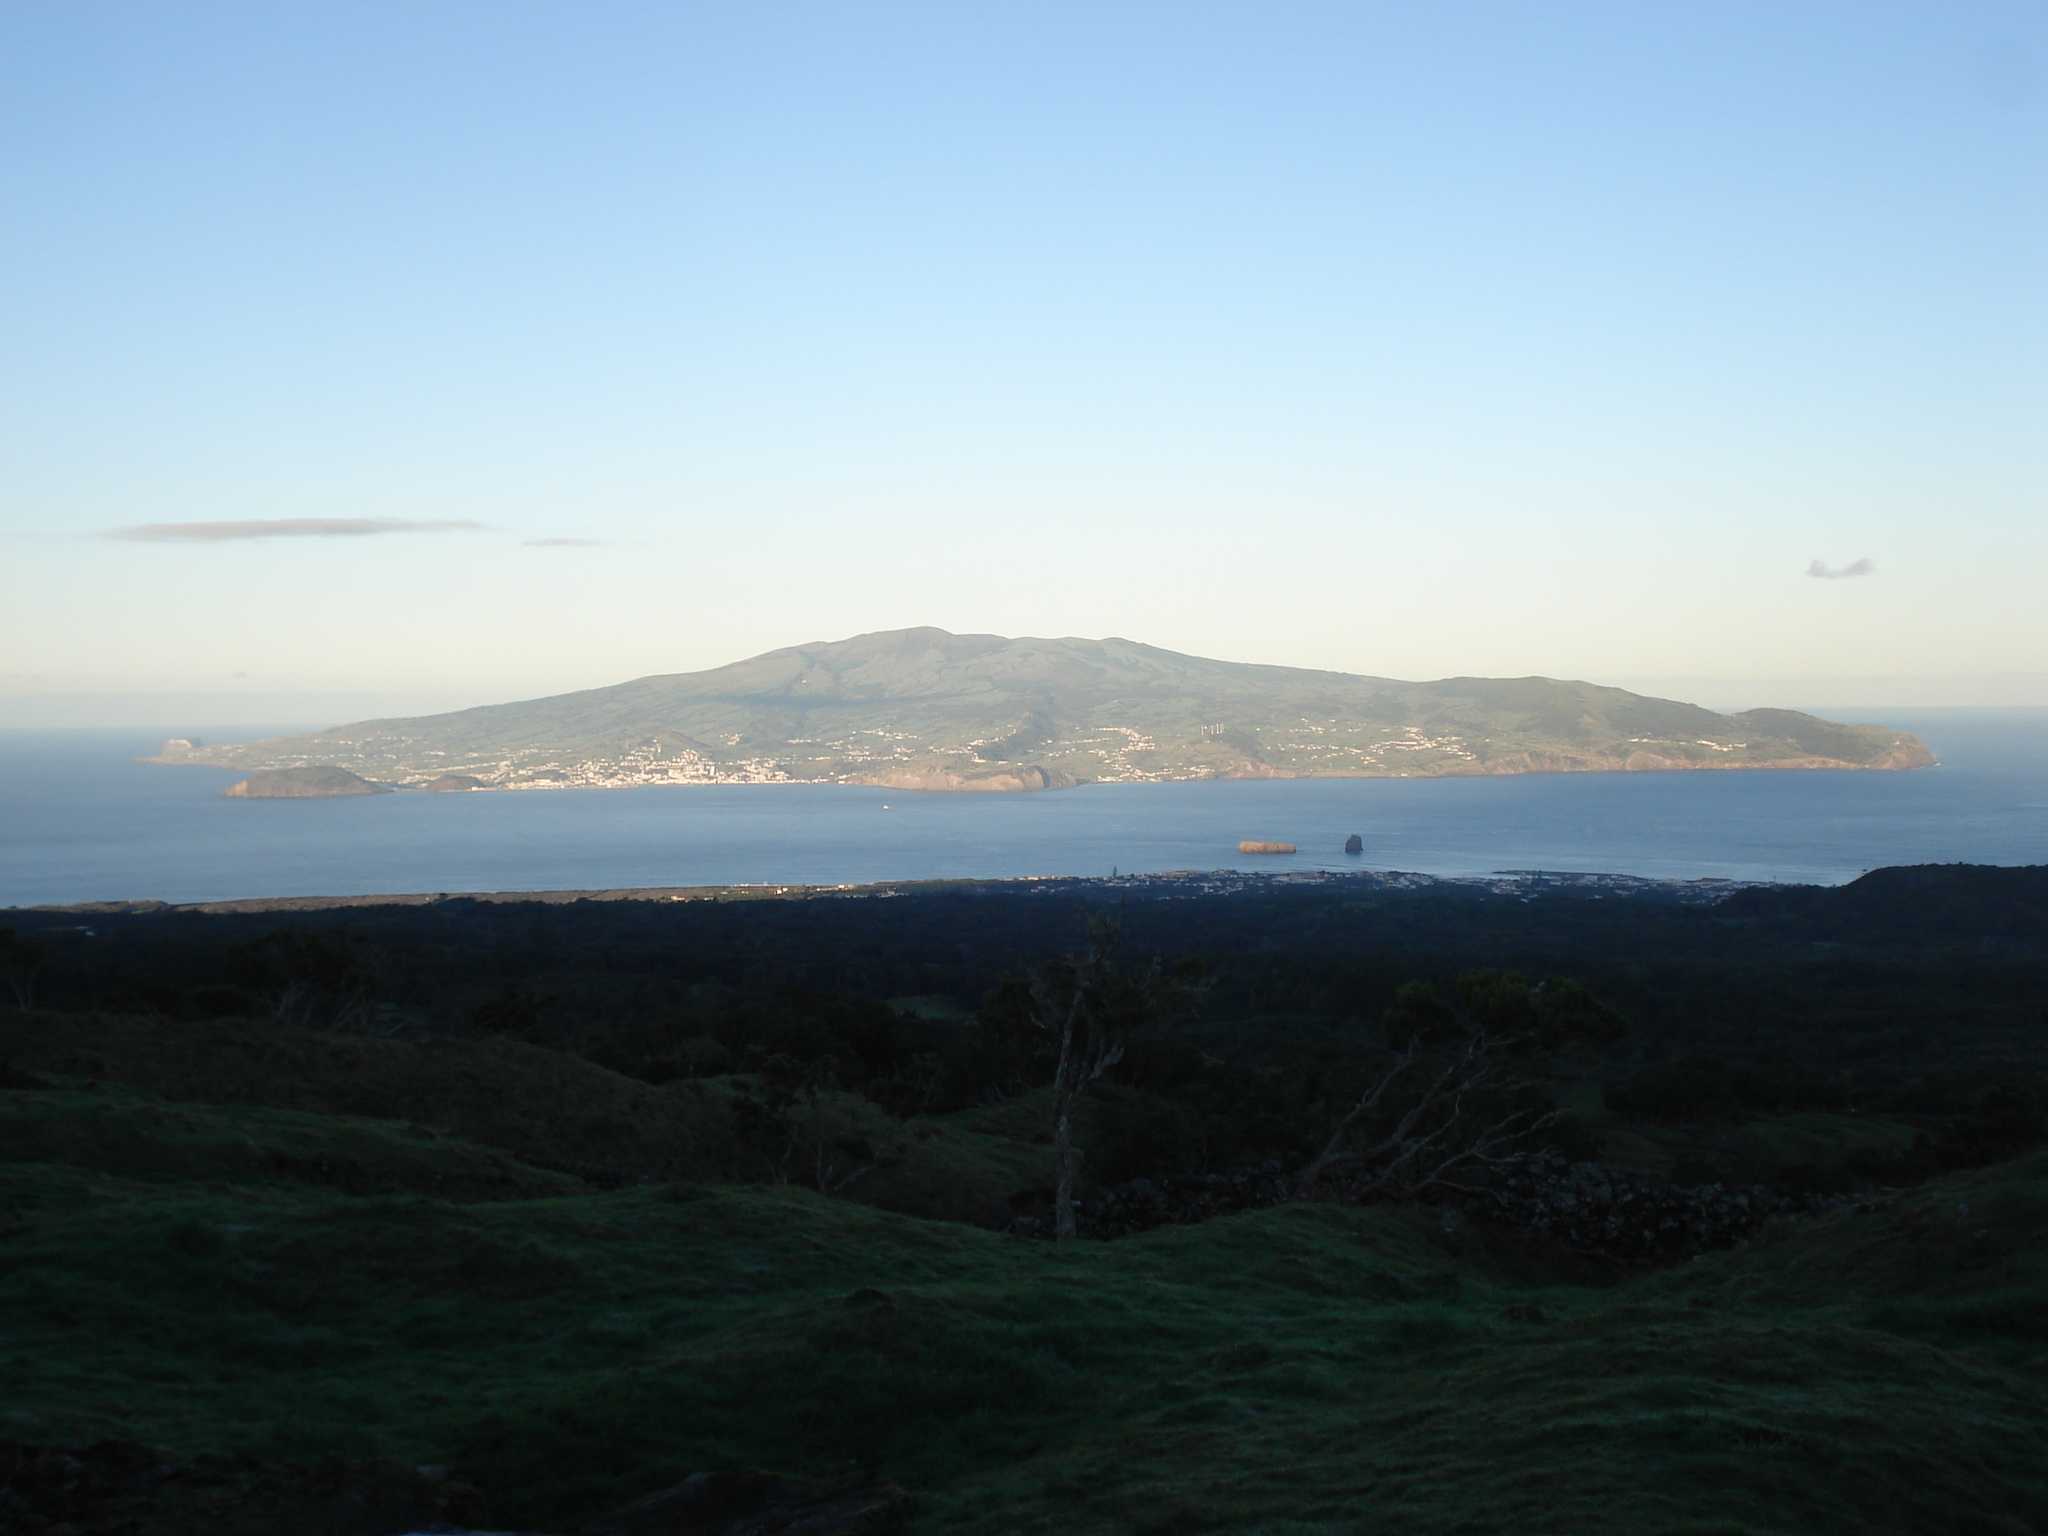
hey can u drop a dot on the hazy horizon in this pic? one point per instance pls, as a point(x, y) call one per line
point(470, 354)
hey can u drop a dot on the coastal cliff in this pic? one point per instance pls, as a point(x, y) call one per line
point(945, 780)
point(323, 782)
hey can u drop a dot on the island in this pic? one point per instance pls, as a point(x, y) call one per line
point(319, 782)
point(927, 710)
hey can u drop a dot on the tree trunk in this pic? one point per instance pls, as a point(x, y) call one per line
point(1064, 1229)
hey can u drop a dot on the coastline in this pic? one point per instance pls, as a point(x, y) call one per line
point(84, 822)
point(943, 782)
point(1165, 886)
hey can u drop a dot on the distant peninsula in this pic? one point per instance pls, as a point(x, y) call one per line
point(319, 783)
point(922, 709)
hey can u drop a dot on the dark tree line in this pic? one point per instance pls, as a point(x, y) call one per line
point(1271, 1018)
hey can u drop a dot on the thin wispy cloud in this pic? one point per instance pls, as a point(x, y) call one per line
point(1837, 572)
point(563, 543)
point(284, 528)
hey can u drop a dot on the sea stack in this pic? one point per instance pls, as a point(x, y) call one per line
point(1354, 844)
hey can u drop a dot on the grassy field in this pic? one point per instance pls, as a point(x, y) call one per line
point(202, 1278)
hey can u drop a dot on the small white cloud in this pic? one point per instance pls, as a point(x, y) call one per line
point(1836, 573)
point(563, 543)
point(282, 528)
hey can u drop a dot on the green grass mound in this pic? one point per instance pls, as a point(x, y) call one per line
point(497, 1093)
point(1961, 1262)
point(1301, 1369)
point(119, 1130)
point(234, 1240)
point(490, 1094)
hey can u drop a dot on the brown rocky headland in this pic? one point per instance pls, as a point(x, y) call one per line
point(323, 782)
point(1006, 781)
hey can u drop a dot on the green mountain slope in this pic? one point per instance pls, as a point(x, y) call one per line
point(925, 709)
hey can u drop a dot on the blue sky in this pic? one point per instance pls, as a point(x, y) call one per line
point(1416, 339)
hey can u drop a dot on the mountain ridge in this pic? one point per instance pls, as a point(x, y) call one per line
point(927, 709)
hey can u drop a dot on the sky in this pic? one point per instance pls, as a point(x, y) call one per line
point(362, 355)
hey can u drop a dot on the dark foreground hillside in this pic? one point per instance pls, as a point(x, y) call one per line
point(459, 1218)
point(1312, 1368)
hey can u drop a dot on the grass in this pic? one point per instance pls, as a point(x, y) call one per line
point(122, 1131)
point(1309, 1368)
point(1773, 1141)
point(493, 1093)
point(499, 1093)
point(290, 1280)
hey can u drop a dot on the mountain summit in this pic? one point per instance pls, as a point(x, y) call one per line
point(926, 709)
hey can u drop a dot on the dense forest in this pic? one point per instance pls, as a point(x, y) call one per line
point(1907, 993)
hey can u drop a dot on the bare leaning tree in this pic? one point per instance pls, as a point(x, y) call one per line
point(19, 960)
point(1086, 1007)
point(313, 976)
point(1454, 1096)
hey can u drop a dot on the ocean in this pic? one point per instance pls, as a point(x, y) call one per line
point(81, 821)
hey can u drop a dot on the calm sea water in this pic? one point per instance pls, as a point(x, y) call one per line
point(80, 821)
